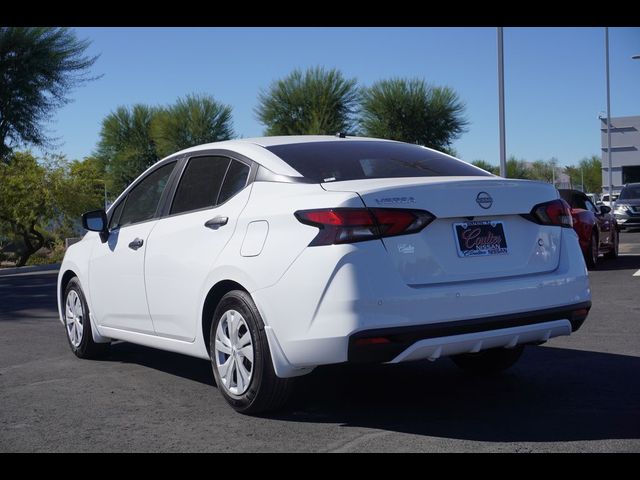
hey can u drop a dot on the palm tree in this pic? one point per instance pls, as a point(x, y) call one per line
point(194, 120)
point(314, 102)
point(412, 111)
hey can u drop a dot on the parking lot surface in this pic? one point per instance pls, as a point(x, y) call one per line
point(574, 394)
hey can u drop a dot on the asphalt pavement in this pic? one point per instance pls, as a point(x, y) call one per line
point(574, 394)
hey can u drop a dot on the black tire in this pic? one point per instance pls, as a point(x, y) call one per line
point(87, 348)
point(613, 253)
point(490, 361)
point(265, 391)
point(591, 256)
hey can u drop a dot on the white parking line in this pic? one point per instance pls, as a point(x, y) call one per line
point(637, 274)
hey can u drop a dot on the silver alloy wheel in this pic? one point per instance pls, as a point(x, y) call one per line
point(233, 352)
point(74, 317)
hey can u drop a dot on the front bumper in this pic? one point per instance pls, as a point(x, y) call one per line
point(450, 338)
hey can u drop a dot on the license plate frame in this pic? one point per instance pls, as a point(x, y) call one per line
point(482, 238)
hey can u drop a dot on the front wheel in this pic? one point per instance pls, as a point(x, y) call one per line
point(77, 323)
point(490, 361)
point(240, 357)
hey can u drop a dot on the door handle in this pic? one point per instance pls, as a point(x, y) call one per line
point(216, 222)
point(136, 243)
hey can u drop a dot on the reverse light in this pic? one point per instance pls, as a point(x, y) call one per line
point(350, 225)
point(555, 212)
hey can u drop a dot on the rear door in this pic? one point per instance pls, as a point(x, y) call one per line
point(116, 271)
point(183, 247)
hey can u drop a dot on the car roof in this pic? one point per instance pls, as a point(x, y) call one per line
point(256, 148)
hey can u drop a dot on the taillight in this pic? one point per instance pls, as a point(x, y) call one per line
point(349, 225)
point(555, 212)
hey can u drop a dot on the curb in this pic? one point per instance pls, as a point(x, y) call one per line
point(32, 268)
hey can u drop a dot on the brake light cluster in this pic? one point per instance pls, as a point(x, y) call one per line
point(555, 212)
point(350, 225)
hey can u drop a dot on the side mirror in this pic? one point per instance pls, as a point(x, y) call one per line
point(604, 209)
point(96, 221)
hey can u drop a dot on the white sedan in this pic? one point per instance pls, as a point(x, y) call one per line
point(272, 256)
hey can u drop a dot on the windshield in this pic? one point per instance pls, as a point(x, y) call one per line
point(355, 160)
point(630, 192)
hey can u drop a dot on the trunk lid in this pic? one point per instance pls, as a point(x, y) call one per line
point(464, 206)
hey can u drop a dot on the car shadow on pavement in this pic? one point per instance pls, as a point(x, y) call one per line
point(623, 262)
point(191, 368)
point(552, 394)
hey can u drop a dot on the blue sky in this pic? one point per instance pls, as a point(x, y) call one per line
point(554, 77)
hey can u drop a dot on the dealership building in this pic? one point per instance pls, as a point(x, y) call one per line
point(625, 151)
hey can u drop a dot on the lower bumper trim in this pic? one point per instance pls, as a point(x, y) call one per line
point(401, 338)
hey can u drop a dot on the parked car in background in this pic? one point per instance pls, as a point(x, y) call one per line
point(605, 199)
point(272, 256)
point(595, 199)
point(627, 208)
point(595, 225)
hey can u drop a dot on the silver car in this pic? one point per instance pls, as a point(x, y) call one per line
point(627, 209)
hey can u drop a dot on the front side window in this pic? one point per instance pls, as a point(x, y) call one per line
point(354, 160)
point(142, 201)
point(591, 207)
point(200, 184)
point(115, 216)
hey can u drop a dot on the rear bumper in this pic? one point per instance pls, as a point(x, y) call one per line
point(449, 338)
point(330, 295)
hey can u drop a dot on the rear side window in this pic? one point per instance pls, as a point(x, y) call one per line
point(200, 184)
point(235, 180)
point(355, 160)
point(142, 201)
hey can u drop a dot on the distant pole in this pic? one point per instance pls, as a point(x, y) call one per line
point(606, 41)
point(503, 150)
point(105, 196)
point(582, 178)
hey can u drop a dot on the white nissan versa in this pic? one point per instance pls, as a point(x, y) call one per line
point(271, 256)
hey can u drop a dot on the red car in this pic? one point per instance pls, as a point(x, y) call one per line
point(596, 227)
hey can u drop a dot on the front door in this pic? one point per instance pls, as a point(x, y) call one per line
point(116, 271)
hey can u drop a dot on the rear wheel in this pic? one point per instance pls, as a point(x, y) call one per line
point(490, 361)
point(591, 255)
point(613, 253)
point(240, 357)
point(77, 323)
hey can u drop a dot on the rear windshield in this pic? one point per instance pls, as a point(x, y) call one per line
point(345, 160)
point(630, 192)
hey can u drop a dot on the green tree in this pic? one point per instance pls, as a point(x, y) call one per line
point(314, 102)
point(41, 200)
point(412, 111)
point(591, 169)
point(39, 67)
point(542, 170)
point(26, 203)
point(127, 146)
point(518, 169)
point(486, 166)
point(194, 120)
